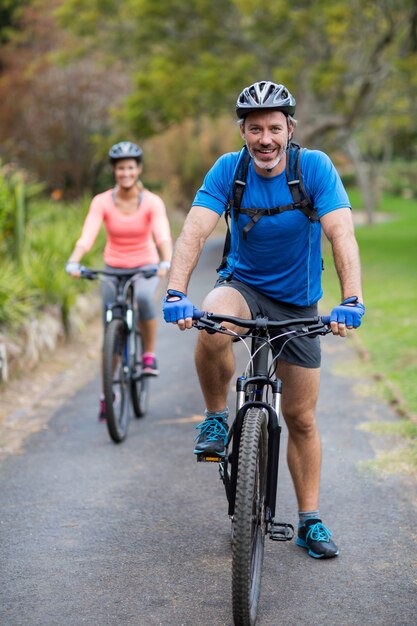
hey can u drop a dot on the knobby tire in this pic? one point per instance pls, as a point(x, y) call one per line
point(139, 386)
point(115, 381)
point(249, 518)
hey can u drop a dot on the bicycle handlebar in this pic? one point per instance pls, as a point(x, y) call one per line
point(93, 274)
point(213, 320)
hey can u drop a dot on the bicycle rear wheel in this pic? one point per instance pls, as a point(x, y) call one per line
point(139, 384)
point(140, 395)
point(249, 518)
point(115, 380)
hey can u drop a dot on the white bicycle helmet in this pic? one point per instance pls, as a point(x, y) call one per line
point(125, 150)
point(265, 95)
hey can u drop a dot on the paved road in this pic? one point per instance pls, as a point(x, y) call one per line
point(137, 534)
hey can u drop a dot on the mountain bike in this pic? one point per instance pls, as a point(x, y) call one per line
point(124, 384)
point(249, 469)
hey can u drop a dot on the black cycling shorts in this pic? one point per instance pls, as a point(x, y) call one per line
point(302, 351)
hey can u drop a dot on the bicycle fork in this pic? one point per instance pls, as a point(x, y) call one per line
point(278, 531)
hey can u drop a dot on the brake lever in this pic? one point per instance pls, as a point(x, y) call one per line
point(208, 325)
point(318, 329)
point(313, 330)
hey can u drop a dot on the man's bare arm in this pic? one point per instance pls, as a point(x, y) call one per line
point(339, 230)
point(199, 224)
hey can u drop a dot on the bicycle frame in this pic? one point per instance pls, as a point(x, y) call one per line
point(124, 305)
point(124, 386)
point(251, 393)
point(123, 308)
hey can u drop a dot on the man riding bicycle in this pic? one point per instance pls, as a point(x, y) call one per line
point(273, 268)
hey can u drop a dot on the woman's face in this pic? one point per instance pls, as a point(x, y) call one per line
point(126, 173)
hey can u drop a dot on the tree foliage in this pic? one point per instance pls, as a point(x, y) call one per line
point(10, 13)
point(53, 113)
point(193, 58)
point(350, 65)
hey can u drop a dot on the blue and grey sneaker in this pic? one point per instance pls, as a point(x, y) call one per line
point(213, 435)
point(315, 537)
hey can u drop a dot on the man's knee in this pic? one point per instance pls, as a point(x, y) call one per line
point(213, 343)
point(228, 301)
point(301, 423)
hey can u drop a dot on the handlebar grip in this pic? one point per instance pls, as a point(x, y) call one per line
point(85, 272)
point(151, 272)
point(325, 319)
point(197, 314)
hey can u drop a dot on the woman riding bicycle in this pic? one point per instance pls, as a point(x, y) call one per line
point(138, 236)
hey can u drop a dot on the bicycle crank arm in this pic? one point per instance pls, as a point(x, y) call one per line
point(279, 531)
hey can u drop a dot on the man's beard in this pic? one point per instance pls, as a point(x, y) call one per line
point(267, 166)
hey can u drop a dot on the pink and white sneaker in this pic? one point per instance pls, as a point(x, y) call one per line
point(149, 364)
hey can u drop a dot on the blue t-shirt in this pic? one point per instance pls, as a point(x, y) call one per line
point(281, 256)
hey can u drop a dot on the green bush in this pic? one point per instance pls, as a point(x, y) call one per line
point(15, 193)
point(6, 214)
point(40, 279)
point(17, 300)
point(52, 232)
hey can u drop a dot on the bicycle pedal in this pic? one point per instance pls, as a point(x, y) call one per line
point(281, 532)
point(201, 458)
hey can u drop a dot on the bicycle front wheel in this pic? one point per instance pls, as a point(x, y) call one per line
point(249, 518)
point(115, 380)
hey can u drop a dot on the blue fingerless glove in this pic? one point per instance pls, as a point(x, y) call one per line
point(177, 306)
point(348, 312)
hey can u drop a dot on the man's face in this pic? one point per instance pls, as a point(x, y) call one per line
point(266, 136)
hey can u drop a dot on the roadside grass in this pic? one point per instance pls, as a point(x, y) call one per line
point(387, 340)
point(402, 456)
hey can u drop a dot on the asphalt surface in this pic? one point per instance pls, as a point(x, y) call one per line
point(137, 534)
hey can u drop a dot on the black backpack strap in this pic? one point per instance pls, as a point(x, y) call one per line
point(256, 214)
point(300, 197)
point(301, 201)
point(235, 199)
point(239, 182)
point(227, 243)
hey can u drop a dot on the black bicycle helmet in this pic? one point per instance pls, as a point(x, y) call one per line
point(263, 96)
point(125, 150)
